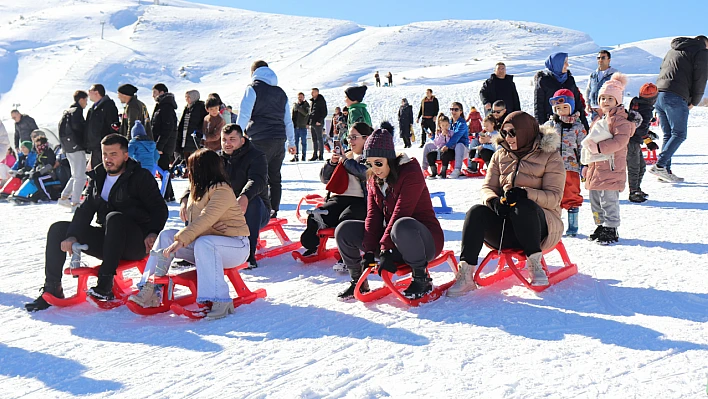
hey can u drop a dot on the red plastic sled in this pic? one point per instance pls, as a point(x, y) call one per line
point(11, 186)
point(322, 251)
point(186, 305)
point(480, 164)
point(649, 156)
point(310, 199)
point(122, 287)
point(512, 261)
point(438, 163)
point(396, 288)
point(286, 245)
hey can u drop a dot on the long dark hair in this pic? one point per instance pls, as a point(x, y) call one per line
point(206, 169)
point(394, 166)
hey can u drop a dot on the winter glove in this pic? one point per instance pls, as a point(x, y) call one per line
point(386, 260)
point(653, 135)
point(499, 208)
point(368, 260)
point(511, 197)
point(651, 145)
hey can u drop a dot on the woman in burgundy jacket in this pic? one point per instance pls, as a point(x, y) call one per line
point(400, 225)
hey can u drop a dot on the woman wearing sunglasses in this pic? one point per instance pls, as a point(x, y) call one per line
point(400, 225)
point(521, 195)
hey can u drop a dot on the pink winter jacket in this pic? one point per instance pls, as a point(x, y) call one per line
point(601, 175)
point(9, 160)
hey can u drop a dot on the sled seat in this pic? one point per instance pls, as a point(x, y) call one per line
point(649, 156)
point(443, 208)
point(286, 245)
point(397, 287)
point(122, 287)
point(186, 304)
point(310, 199)
point(322, 251)
point(480, 165)
point(512, 261)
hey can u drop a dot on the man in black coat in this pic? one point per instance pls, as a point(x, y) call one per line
point(318, 113)
point(405, 122)
point(192, 121)
point(130, 211)
point(429, 109)
point(164, 129)
point(100, 119)
point(248, 173)
point(72, 134)
point(24, 126)
point(500, 86)
point(681, 84)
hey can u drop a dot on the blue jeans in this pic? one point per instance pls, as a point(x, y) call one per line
point(301, 136)
point(673, 118)
point(257, 216)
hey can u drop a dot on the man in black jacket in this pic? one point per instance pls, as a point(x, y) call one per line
point(429, 109)
point(500, 86)
point(100, 119)
point(247, 169)
point(681, 84)
point(24, 126)
point(129, 208)
point(164, 129)
point(316, 120)
point(265, 118)
point(192, 122)
point(72, 134)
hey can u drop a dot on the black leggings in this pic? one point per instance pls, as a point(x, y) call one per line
point(445, 157)
point(525, 229)
point(125, 241)
point(340, 208)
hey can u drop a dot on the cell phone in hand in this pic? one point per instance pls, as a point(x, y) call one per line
point(338, 147)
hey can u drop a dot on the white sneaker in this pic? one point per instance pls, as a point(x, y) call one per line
point(340, 267)
point(661, 173)
point(65, 202)
point(455, 174)
point(220, 309)
point(464, 280)
point(536, 272)
point(675, 178)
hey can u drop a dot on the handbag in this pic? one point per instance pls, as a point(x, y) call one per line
point(339, 182)
point(412, 134)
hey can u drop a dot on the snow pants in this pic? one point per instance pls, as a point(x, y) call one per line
point(636, 166)
point(605, 205)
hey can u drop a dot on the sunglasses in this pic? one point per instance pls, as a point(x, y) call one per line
point(378, 164)
point(497, 111)
point(454, 110)
point(355, 137)
point(557, 100)
point(604, 57)
point(508, 133)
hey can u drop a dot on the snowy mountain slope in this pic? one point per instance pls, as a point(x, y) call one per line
point(50, 49)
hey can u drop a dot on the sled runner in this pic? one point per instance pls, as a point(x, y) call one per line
point(443, 208)
point(310, 199)
point(322, 251)
point(186, 305)
point(397, 287)
point(286, 245)
point(512, 261)
point(480, 164)
point(122, 287)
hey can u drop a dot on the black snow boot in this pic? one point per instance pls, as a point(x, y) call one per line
point(349, 292)
point(103, 291)
point(420, 286)
point(39, 303)
point(596, 234)
point(608, 236)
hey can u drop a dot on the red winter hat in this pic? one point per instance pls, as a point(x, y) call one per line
point(564, 96)
point(648, 90)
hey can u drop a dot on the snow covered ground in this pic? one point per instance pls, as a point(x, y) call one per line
point(632, 323)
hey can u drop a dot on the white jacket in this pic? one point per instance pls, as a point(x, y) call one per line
point(600, 131)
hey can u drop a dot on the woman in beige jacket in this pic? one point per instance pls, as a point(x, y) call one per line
point(211, 200)
point(521, 195)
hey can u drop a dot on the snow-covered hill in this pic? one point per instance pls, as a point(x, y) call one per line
point(50, 49)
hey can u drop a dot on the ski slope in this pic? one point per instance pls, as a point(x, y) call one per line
point(632, 323)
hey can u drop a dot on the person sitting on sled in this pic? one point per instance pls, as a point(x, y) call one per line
point(400, 225)
point(129, 211)
point(211, 201)
point(521, 196)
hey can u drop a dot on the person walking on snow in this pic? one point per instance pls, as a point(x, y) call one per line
point(72, 133)
point(378, 79)
point(681, 84)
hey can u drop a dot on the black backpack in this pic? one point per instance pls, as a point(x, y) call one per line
point(67, 136)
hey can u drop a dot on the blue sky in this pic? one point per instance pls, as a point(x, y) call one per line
point(629, 20)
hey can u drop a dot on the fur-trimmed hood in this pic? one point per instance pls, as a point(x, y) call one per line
point(547, 141)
